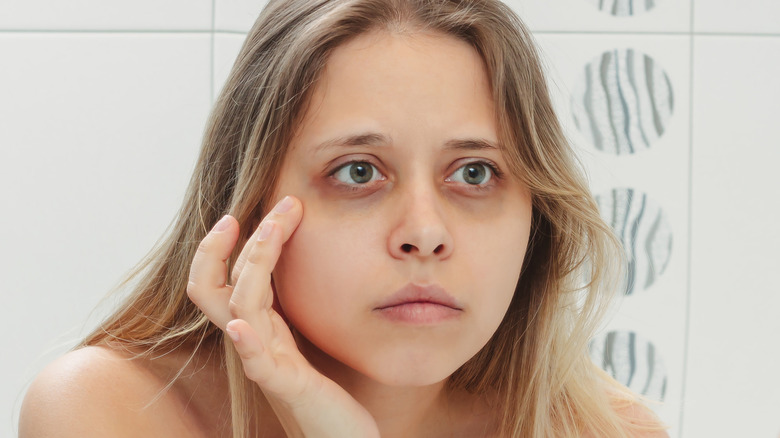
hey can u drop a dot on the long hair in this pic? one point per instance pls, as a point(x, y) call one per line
point(535, 367)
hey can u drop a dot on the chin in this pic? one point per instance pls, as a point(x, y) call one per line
point(386, 365)
point(410, 368)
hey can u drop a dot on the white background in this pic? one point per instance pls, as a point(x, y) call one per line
point(103, 104)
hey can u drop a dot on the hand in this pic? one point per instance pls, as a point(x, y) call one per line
point(306, 402)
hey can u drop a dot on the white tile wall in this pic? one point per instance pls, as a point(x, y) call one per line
point(99, 135)
point(105, 14)
point(226, 49)
point(106, 125)
point(734, 353)
point(744, 16)
point(236, 15)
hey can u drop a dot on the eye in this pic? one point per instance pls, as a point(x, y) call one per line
point(357, 172)
point(473, 173)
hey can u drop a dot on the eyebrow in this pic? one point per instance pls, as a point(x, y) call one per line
point(378, 140)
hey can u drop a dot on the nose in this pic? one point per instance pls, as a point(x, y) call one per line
point(421, 228)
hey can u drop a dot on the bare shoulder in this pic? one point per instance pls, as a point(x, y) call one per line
point(97, 391)
point(647, 423)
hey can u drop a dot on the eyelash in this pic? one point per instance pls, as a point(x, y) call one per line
point(496, 173)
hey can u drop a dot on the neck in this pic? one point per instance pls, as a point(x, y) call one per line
point(400, 411)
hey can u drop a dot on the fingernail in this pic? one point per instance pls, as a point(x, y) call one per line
point(284, 205)
point(222, 225)
point(233, 334)
point(265, 230)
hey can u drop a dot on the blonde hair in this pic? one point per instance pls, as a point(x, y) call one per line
point(536, 365)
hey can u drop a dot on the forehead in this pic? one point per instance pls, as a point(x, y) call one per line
point(411, 87)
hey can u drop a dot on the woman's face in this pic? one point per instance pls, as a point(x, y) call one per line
point(413, 231)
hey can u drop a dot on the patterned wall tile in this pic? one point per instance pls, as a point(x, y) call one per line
point(631, 360)
point(642, 184)
point(622, 101)
point(640, 224)
point(597, 15)
point(624, 8)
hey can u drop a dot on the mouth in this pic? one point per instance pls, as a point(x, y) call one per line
point(416, 304)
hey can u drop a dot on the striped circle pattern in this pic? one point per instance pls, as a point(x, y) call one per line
point(622, 102)
point(642, 228)
point(624, 8)
point(632, 361)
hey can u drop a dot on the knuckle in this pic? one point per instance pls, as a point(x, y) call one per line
point(257, 253)
point(193, 290)
point(252, 374)
point(204, 246)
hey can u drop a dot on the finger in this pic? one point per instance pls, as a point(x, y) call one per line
point(258, 360)
point(208, 273)
point(288, 211)
point(252, 291)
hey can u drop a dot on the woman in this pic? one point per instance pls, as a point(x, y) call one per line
point(413, 250)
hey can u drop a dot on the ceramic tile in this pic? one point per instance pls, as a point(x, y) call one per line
point(597, 15)
point(733, 352)
point(236, 15)
point(226, 49)
point(99, 136)
point(106, 15)
point(745, 16)
point(657, 176)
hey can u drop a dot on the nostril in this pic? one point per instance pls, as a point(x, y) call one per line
point(406, 247)
point(438, 249)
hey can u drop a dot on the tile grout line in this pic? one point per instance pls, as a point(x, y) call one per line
point(690, 224)
point(213, 30)
point(653, 33)
point(108, 31)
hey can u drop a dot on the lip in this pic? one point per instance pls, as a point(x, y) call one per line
point(418, 304)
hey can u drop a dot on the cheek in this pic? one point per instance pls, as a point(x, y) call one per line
point(317, 266)
point(495, 257)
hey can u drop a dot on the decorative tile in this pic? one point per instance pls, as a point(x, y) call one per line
point(597, 15)
point(622, 101)
point(640, 224)
point(644, 196)
point(631, 360)
point(624, 8)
